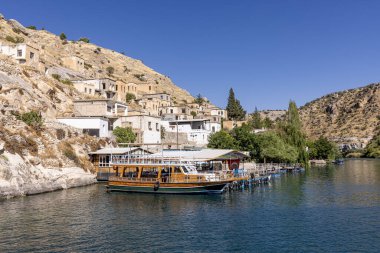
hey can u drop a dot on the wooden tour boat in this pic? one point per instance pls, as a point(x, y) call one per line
point(161, 176)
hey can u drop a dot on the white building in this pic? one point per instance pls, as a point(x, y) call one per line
point(95, 126)
point(147, 128)
point(103, 87)
point(216, 111)
point(197, 130)
point(23, 53)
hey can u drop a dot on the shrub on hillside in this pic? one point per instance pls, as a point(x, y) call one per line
point(33, 119)
point(86, 40)
point(110, 70)
point(62, 36)
point(129, 97)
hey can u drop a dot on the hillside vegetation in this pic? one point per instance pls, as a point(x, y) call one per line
point(346, 116)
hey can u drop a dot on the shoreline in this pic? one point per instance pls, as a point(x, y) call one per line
point(21, 178)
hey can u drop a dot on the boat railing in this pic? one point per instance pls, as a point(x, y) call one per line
point(130, 159)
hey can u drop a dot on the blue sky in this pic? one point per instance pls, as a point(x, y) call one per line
point(268, 51)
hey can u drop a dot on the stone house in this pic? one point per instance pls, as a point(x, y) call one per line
point(22, 52)
point(74, 63)
point(99, 108)
point(143, 88)
point(153, 102)
point(122, 89)
point(175, 112)
point(103, 87)
point(147, 128)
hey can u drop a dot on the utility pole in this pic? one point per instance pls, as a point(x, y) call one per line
point(177, 134)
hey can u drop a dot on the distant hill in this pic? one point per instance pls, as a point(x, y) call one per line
point(350, 116)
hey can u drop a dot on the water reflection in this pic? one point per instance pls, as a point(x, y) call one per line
point(322, 210)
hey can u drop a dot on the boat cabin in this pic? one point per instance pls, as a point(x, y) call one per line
point(208, 159)
point(102, 159)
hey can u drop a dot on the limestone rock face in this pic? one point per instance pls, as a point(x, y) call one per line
point(351, 116)
point(16, 25)
point(18, 177)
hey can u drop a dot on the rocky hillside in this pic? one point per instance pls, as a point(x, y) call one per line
point(54, 156)
point(97, 59)
point(346, 116)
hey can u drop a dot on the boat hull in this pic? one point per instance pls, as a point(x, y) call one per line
point(169, 188)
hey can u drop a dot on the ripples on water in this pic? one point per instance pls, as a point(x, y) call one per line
point(330, 209)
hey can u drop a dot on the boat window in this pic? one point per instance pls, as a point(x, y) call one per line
point(184, 169)
point(177, 170)
point(104, 160)
point(149, 173)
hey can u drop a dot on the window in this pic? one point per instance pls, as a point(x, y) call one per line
point(104, 86)
point(177, 170)
point(128, 88)
point(150, 125)
point(19, 53)
point(117, 87)
point(171, 110)
point(31, 55)
point(150, 87)
point(85, 90)
point(183, 110)
point(89, 91)
point(213, 129)
point(157, 127)
point(104, 161)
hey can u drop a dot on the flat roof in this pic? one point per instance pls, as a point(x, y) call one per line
point(99, 100)
point(93, 79)
point(159, 93)
point(141, 115)
point(84, 117)
point(117, 151)
point(188, 120)
point(202, 155)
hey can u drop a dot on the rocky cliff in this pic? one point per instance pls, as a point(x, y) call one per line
point(54, 156)
point(348, 117)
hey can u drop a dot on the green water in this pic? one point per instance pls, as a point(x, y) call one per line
point(329, 209)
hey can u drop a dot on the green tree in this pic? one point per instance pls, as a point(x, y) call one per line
point(163, 133)
point(129, 97)
point(244, 139)
point(199, 100)
point(373, 148)
point(86, 40)
point(62, 36)
point(323, 149)
point(255, 121)
point(32, 27)
point(124, 135)
point(293, 134)
point(234, 110)
point(193, 113)
point(268, 123)
point(222, 140)
point(272, 148)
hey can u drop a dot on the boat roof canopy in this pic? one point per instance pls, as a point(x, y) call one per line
point(202, 155)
